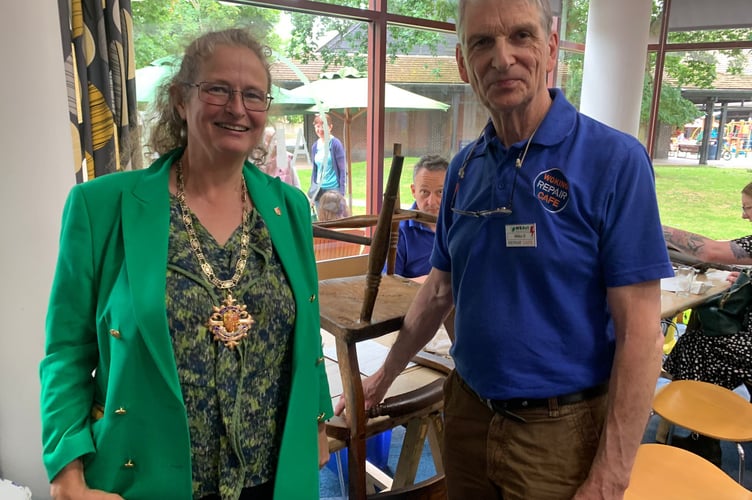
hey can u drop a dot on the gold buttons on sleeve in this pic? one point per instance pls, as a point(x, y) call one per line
point(120, 411)
point(319, 360)
point(129, 464)
point(320, 418)
point(115, 333)
point(313, 297)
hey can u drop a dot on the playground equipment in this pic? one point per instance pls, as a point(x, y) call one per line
point(737, 138)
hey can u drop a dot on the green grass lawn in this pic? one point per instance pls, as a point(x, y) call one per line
point(704, 200)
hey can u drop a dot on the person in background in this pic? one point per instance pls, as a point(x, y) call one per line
point(722, 360)
point(183, 353)
point(270, 166)
point(329, 171)
point(416, 238)
point(332, 206)
point(549, 245)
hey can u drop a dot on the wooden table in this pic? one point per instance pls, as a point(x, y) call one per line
point(713, 282)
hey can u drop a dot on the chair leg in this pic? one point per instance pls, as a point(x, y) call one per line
point(663, 431)
point(436, 441)
point(740, 450)
point(340, 474)
point(412, 449)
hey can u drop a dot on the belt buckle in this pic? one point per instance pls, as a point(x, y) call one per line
point(509, 414)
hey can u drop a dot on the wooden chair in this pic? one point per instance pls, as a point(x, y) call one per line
point(663, 472)
point(708, 409)
point(351, 312)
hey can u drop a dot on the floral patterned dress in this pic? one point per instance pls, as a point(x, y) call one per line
point(724, 360)
point(236, 399)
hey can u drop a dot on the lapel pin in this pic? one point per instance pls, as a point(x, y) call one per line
point(277, 211)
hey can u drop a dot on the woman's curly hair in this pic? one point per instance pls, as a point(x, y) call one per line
point(169, 130)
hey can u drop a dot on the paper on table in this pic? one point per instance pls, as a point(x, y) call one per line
point(371, 356)
point(670, 284)
point(698, 287)
point(716, 275)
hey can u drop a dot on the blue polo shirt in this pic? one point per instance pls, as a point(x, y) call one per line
point(529, 288)
point(414, 248)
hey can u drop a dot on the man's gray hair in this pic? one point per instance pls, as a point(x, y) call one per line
point(543, 6)
point(432, 163)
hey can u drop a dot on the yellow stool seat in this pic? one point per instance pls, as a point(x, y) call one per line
point(663, 472)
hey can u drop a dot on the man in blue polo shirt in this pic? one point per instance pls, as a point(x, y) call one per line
point(415, 241)
point(549, 246)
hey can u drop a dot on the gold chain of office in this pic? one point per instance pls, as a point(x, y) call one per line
point(230, 322)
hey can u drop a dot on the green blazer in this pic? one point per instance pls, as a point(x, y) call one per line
point(108, 342)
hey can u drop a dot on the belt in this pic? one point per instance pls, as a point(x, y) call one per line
point(566, 399)
point(509, 406)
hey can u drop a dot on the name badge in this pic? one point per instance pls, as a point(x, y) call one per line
point(521, 235)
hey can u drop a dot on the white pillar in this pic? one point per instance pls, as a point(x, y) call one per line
point(614, 65)
point(37, 172)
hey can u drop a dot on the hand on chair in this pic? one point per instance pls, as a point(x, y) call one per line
point(374, 390)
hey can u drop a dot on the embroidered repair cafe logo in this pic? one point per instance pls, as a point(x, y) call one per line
point(552, 190)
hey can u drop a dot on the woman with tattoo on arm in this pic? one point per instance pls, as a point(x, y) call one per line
point(721, 360)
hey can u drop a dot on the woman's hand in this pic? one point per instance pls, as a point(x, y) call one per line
point(732, 277)
point(69, 484)
point(323, 446)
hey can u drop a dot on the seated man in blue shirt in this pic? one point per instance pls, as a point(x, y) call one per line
point(416, 238)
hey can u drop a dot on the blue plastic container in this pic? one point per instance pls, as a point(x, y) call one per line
point(377, 452)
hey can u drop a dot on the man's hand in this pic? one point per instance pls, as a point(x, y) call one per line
point(70, 484)
point(374, 389)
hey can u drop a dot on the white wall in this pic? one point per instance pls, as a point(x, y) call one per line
point(36, 172)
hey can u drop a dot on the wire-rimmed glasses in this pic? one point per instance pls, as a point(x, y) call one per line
point(503, 210)
point(219, 94)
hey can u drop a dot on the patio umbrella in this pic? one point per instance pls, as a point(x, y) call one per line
point(149, 78)
point(284, 102)
point(347, 98)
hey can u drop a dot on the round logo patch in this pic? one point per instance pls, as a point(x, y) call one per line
point(552, 190)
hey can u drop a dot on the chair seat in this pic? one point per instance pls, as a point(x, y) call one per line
point(663, 472)
point(708, 409)
point(340, 301)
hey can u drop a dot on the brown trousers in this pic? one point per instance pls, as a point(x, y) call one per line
point(490, 456)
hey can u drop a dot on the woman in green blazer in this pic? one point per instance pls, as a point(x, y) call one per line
point(183, 354)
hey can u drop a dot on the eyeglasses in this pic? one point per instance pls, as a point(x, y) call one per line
point(219, 94)
point(503, 210)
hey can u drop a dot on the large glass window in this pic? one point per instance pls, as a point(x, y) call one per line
point(437, 10)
